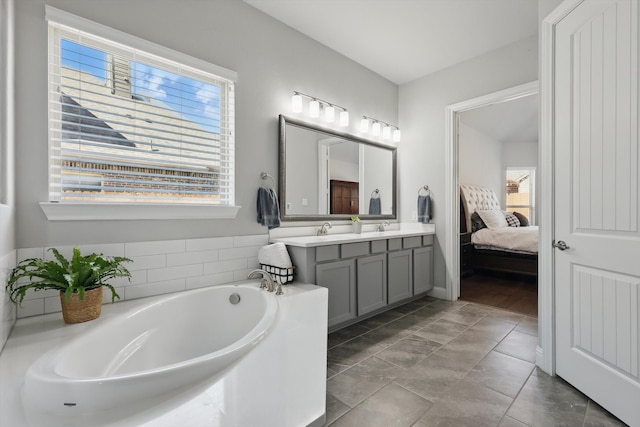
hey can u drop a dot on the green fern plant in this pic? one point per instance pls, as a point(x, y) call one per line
point(78, 275)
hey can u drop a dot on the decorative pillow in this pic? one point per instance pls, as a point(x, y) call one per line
point(477, 223)
point(493, 218)
point(512, 220)
point(524, 221)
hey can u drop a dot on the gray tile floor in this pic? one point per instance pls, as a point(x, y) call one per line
point(440, 363)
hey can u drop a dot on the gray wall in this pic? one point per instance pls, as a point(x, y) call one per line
point(421, 153)
point(480, 160)
point(271, 60)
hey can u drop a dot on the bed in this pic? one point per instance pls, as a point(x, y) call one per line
point(502, 246)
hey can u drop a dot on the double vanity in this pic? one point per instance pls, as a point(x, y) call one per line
point(366, 273)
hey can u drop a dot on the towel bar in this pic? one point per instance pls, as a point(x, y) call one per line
point(376, 192)
point(425, 188)
point(264, 176)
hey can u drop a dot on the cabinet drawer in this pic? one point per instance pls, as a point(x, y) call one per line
point(411, 242)
point(350, 250)
point(378, 246)
point(395, 244)
point(327, 253)
point(427, 240)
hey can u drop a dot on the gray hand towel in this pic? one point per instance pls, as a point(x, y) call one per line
point(375, 206)
point(424, 209)
point(268, 208)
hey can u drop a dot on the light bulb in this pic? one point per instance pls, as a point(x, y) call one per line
point(329, 113)
point(375, 129)
point(396, 135)
point(314, 108)
point(344, 118)
point(364, 125)
point(296, 103)
point(386, 132)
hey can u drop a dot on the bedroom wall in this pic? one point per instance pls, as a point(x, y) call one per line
point(421, 154)
point(480, 159)
point(271, 60)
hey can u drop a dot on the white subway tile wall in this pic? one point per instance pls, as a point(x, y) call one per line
point(7, 308)
point(158, 268)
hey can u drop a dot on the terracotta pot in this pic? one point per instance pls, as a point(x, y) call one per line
point(76, 311)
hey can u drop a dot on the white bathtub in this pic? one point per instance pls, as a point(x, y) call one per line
point(128, 363)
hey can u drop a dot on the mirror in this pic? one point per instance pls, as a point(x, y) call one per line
point(327, 174)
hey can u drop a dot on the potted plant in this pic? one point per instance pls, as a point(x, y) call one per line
point(357, 225)
point(79, 280)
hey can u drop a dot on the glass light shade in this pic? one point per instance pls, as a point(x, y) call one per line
point(314, 108)
point(344, 118)
point(296, 103)
point(396, 135)
point(364, 125)
point(386, 132)
point(329, 114)
point(375, 129)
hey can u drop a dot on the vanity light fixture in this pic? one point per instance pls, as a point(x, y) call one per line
point(388, 131)
point(316, 105)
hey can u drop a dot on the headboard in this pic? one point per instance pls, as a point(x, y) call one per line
point(475, 197)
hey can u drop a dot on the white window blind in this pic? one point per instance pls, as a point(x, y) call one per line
point(126, 125)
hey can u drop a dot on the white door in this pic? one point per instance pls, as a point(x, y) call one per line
point(597, 279)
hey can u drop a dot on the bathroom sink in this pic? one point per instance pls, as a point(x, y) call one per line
point(332, 239)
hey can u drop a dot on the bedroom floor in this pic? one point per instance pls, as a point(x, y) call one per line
point(441, 363)
point(506, 291)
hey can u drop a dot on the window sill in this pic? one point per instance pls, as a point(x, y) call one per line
point(133, 211)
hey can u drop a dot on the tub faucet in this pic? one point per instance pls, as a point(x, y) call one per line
point(267, 280)
point(323, 229)
point(382, 225)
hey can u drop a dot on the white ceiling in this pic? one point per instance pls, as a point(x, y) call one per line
point(403, 40)
point(511, 121)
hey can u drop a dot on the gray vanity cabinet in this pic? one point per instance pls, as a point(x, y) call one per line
point(400, 275)
point(372, 283)
point(340, 278)
point(422, 269)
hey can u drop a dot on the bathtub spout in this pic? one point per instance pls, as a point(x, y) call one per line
point(267, 280)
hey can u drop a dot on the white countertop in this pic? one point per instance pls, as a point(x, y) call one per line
point(333, 239)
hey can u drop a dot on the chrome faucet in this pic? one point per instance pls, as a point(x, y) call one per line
point(267, 280)
point(323, 229)
point(382, 225)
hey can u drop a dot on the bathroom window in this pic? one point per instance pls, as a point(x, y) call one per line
point(133, 122)
point(520, 192)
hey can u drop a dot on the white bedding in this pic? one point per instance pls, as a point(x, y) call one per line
point(516, 239)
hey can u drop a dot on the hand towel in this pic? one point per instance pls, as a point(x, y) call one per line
point(268, 208)
point(424, 209)
point(375, 206)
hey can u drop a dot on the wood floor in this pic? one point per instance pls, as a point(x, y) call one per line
point(513, 293)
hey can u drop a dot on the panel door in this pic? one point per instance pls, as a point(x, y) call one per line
point(340, 278)
point(597, 278)
point(372, 283)
point(422, 269)
point(400, 267)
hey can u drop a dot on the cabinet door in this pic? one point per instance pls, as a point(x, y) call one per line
point(422, 269)
point(340, 278)
point(400, 281)
point(372, 283)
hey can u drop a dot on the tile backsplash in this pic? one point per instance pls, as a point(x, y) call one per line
point(158, 267)
point(7, 308)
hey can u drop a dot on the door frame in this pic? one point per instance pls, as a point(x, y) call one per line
point(452, 200)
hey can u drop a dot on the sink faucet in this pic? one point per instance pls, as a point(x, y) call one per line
point(382, 225)
point(267, 280)
point(323, 229)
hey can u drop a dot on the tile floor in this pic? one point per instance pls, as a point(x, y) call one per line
point(440, 363)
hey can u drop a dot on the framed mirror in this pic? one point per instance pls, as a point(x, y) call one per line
point(326, 174)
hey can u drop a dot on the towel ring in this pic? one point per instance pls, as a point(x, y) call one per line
point(264, 176)
point(375, 192)
point(425, 188)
